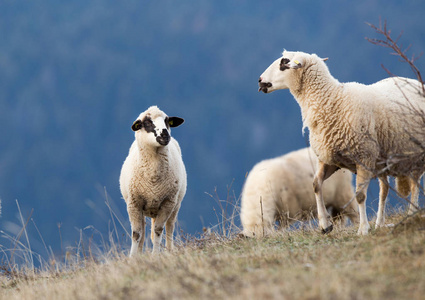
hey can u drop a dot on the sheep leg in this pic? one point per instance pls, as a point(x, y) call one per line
point(414, 196)
point(362, 183)
point(383, 193)
point(324, 171)
point(169, 229)
point(158, 226)
point(152, 229)
point(137, 220)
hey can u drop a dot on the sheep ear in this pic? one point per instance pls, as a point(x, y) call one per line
point(296, 64)
point(175, 121)
point(137, 125)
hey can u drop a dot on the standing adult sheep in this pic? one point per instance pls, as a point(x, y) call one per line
point(373, 130)
point(279, 189)
point(153, 178)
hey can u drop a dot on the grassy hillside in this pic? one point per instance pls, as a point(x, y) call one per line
point(297, 264)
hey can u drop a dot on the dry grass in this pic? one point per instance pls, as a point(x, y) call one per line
point(300, 264)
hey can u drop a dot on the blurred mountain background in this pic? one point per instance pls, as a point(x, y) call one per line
point(74, 75)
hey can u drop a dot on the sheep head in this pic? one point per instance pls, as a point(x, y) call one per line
point(284, 72)
point(152, 128)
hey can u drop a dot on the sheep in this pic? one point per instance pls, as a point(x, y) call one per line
point(153, 178)
point(279, 189)
point(367, 129)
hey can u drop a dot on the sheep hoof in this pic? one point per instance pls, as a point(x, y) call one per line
point(327, 229)
point(363, 230)
point(242, 235)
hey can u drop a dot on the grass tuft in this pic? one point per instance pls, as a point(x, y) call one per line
point(292, 264)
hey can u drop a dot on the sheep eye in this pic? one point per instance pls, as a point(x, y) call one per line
point(148, 125)
point(147, 122)
point(283, 64)
point(284, 61)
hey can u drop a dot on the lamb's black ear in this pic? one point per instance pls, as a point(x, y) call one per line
point(175, 121)
point(137, 125)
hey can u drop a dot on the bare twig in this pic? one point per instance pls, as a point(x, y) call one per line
point(405, 218)
point(389, 42)
point(262, 218)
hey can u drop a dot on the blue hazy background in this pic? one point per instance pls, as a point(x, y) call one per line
point(74, 75)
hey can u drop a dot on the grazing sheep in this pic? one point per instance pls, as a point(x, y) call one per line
point(153, 178)
point(373, 130)
point(279, 189)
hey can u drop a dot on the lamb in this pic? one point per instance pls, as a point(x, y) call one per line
point(279, 189)
point(367, 129)
point(153, 178)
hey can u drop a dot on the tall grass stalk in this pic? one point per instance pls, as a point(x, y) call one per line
point(228, 214)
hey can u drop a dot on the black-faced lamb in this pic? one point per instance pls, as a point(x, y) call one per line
point(368, 129)
point(279, 189)
point(153, 178)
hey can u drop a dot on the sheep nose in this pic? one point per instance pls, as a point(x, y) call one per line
point(164, 133)
point(263, 86)
point(164, 138)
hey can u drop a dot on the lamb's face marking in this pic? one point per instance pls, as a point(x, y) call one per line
point(278, 74)
point(153, 127)
point(284, 64)
point(136, 236)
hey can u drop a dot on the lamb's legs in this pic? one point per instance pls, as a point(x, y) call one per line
point(169, 229)
point(383, 193)
point(362, 183)
point(158, 225)
point(324, 171)
point(137, 221)
point(152, 229)
point(414, 196)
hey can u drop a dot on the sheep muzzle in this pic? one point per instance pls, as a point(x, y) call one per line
point(163, 141)
point(263, 86)
point(164, 138)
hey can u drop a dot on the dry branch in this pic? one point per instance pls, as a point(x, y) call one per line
point(389, 42)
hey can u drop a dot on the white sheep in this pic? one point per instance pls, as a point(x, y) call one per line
point(279, 189)
point(367, 129)
point(153, 178)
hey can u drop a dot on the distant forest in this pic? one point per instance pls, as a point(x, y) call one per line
point(74, 75)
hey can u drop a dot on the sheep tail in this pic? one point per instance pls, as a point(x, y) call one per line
point(402, 185)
